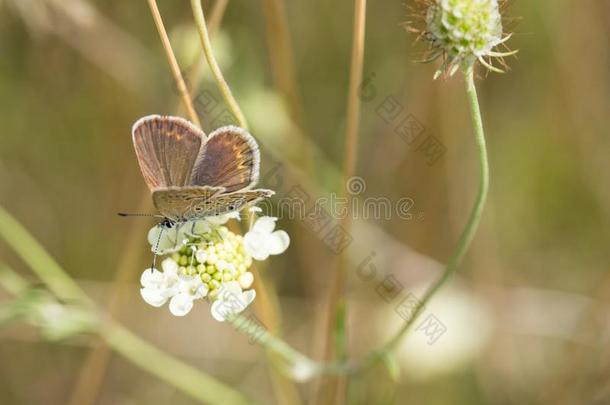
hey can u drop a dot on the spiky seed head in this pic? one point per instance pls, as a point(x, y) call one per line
point(462, 32)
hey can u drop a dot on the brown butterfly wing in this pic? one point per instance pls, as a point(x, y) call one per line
point(167, 148)
point(184, 203)
point(229, 158)
point(224, 203)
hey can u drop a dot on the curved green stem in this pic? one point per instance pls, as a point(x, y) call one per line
point(297, 365)
point(216, 72)
point(471, 226)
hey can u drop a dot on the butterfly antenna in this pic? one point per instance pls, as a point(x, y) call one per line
point(129, 214)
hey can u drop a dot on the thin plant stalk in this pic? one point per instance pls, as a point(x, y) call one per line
point(173, 64)
point(337, 331)
point(471, 226)
point(194, 75)
point(186, 378)
point(211, 59)
point(350, 156)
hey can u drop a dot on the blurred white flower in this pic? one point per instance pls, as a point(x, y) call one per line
point(231, 300)
point(261, 241)
point(59, 321)
point(452, 330)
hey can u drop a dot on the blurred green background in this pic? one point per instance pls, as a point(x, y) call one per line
point(527, 317)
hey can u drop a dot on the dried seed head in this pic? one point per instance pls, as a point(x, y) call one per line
point(461, 32)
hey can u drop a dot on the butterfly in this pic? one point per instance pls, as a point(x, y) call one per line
point(193, 176)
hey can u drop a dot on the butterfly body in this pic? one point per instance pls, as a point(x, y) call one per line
point(192, 176)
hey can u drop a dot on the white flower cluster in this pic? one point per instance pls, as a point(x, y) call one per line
point(207, 261)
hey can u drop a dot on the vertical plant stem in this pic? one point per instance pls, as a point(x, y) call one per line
point(338, 310)
point(194, 75)
point(471, 225)
point(216, 72)
point(350, 155)
point(173, 64)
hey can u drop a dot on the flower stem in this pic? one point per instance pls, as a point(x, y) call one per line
point(471, 226)
point(167, 368)
point(182, 376)
point(194, 75)
point(216, 72)
point(338, 307)
point(297, 365)
point(173, 63)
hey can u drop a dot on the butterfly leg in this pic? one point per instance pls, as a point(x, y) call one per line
point(177, 228)
point(193, 250)
point(156, 247)
point(193, 224)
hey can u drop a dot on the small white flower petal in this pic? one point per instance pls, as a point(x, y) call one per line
point(153, 296)
point(278, 242)
point(201, 256)
point(220, 310)
point(180, 305)
point(255, 244)
point(201, 291)
point(198, 227)
point(167, 242)
point(246, 280)
point(248, 297)
point(231, 268)
point(255, 209)
point(218, 220)
point(151, 277)
point(233, 215)
point(264, 225)
point(231, 287)
point(153, 235)
point(169, 266)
